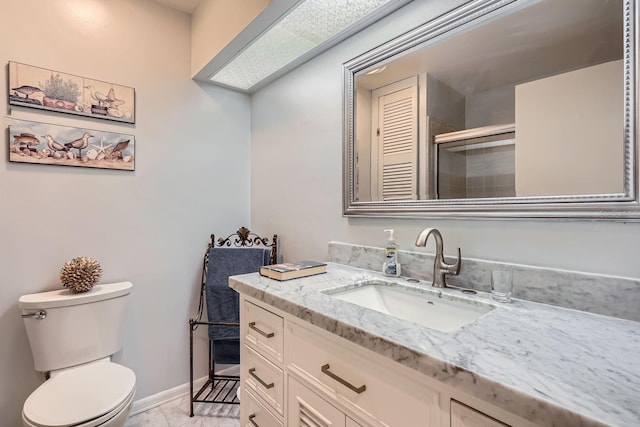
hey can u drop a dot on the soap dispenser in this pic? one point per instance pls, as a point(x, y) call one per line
point(391, 266)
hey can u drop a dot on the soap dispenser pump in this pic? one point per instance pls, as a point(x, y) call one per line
point(391, 266)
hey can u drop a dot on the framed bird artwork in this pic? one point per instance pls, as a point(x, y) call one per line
point(44, 143)
point(45, 89)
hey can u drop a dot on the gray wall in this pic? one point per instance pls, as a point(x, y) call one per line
point(193, 177)
point(297, 174)
point(150, 226)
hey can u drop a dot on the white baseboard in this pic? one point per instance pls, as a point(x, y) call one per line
point(165, 396)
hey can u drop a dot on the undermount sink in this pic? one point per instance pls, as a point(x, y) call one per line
point(443, 313)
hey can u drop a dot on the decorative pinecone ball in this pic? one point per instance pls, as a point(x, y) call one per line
point(80, 274)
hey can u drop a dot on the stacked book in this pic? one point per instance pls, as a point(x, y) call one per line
point(293, 270)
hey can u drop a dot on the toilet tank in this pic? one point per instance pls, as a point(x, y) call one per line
point(78, 328)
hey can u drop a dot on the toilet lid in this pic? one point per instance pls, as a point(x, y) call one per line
point(79, 394)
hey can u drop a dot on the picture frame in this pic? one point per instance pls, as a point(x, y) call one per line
point(49, 144)
point(45, 89)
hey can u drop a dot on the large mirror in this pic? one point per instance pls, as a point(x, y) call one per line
point(522, 108)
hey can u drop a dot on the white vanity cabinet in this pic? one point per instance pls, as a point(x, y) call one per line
point(258, 414)
point(464, 416)
point(306, 408)
point(261, 370)
point(294, 373)
point(264, 379)
point(264, 331)
point(370, 387)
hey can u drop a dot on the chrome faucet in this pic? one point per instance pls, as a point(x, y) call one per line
point(440, 268)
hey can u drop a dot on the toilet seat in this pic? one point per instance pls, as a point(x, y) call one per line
point(86, 396)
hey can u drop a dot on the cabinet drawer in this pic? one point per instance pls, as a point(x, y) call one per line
point(464, 416)
point(258, 414)
point(308, 409)
point(362, 380)
point(263, 330)
point(264, 379)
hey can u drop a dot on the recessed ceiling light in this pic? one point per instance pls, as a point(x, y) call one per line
point(377, 70)
point(305, 31)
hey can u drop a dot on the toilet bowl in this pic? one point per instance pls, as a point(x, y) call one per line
point(96, 394)
point(72, 338)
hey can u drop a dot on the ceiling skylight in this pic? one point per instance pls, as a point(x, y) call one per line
point(308, 29)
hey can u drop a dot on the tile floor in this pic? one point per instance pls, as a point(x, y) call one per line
point(176, 414)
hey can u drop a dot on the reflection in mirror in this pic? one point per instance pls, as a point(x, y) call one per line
point(524, 103)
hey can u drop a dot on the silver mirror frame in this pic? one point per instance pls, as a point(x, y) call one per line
point(619, 206)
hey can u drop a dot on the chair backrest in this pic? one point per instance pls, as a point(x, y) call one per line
point(244, 253)
point(223, 303)
point(243, 238)
point(238, 253)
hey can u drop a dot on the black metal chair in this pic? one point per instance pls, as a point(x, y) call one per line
point(221, 388)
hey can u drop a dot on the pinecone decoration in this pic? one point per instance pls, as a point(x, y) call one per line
point(80, 274)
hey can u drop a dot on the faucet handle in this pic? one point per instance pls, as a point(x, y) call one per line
point(454, 269)
point(458, 263)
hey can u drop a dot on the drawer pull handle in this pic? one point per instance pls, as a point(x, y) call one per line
point(252, 372)
point(325, 370)
point(253, 423)
point(253, 326)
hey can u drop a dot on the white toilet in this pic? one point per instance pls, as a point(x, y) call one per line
point(72, 338)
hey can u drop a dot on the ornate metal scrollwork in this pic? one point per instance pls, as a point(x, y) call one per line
point(245, 238)
point(241, 238)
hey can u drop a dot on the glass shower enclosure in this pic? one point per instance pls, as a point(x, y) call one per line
point(476, 163)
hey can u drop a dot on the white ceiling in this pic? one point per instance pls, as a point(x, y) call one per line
point(183, 5)
point(543, 39)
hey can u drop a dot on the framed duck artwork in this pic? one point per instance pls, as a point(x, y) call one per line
point(45, 89)
point(43, 143)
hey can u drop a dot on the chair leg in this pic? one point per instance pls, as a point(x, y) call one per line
point(212, 364)
point(190, 369)
point(217, 388)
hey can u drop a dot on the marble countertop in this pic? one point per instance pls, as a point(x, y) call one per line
point(550, 365)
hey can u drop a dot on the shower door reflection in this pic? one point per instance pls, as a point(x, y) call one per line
point(476, 164)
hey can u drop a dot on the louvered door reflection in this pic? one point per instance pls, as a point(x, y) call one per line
point(398, 145)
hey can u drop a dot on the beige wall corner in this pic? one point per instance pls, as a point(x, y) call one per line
point(582, 152)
